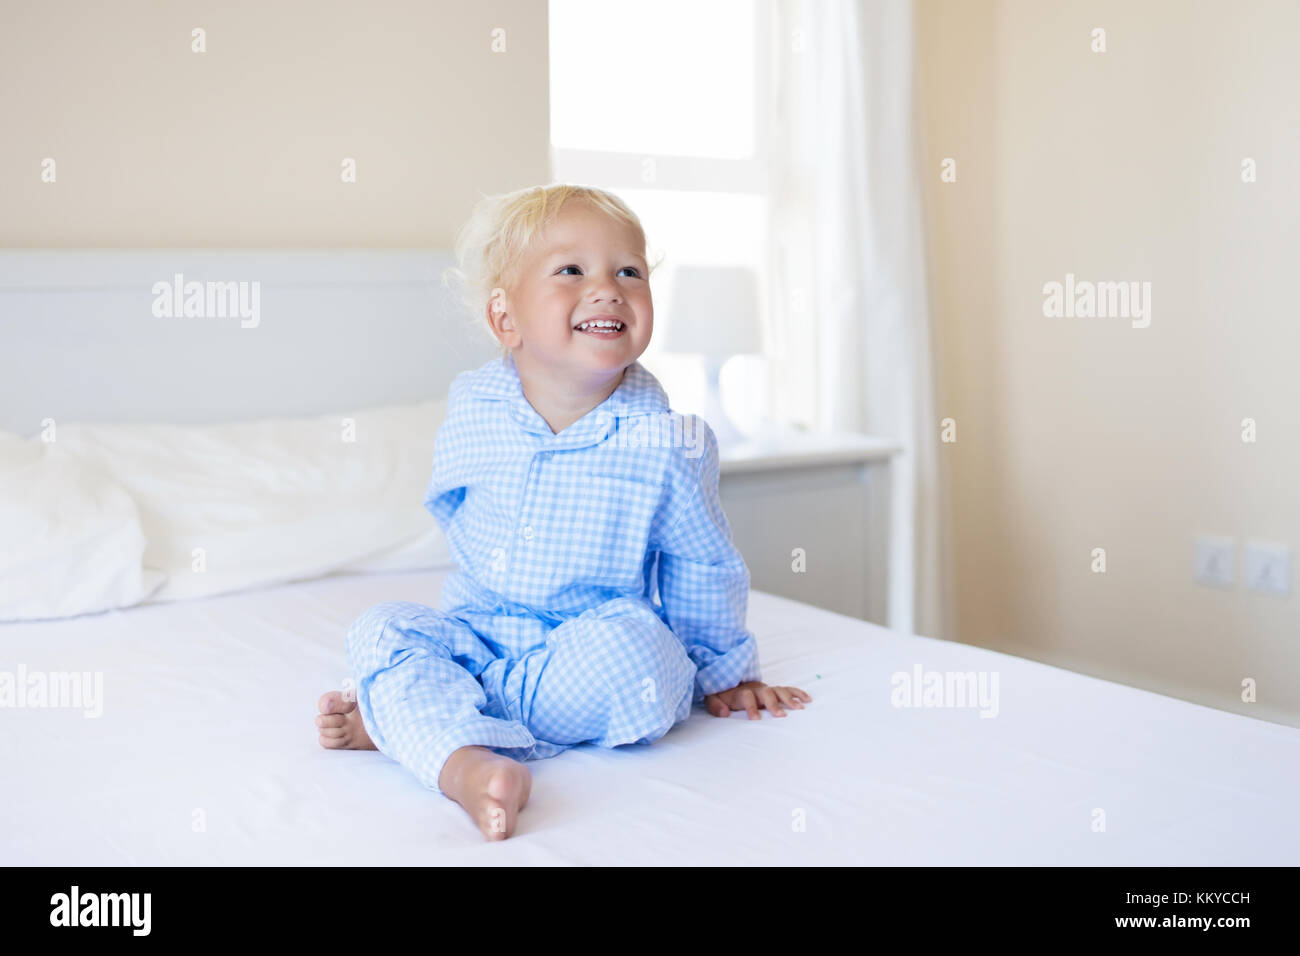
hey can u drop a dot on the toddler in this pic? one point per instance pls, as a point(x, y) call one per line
point(572, 497)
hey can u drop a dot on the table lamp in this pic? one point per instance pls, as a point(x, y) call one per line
point(714, 313)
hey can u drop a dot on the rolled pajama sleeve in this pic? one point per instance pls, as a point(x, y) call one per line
point(703, 581)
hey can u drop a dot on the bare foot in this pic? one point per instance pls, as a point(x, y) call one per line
point(340, 724)
point(491, 788)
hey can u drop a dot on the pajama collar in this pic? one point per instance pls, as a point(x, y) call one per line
point(639, 392)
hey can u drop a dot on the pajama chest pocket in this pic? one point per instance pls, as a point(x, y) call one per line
point(619, 510)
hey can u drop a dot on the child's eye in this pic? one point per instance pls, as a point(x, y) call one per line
point(579, 268)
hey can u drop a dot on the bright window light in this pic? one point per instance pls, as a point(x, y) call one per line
point(671, 78)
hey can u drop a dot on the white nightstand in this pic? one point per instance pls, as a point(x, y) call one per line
point(825, 493)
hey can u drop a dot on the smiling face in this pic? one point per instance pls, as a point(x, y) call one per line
point(585, 266)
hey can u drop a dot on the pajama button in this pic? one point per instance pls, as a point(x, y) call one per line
point(528, 532)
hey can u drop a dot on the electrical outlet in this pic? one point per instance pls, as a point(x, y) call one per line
point(1214, 561)
point(1267, 567)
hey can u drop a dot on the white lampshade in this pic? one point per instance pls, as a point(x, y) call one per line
point(714, 311)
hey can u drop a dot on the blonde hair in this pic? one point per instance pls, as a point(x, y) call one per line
point(501, 230)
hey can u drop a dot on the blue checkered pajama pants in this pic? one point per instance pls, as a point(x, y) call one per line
point(427, 684)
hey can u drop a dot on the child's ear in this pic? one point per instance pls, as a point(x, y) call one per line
point(503, 326)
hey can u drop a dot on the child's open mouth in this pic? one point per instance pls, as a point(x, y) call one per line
point(602, 328)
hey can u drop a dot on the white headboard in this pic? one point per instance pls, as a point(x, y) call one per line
point(332, 330)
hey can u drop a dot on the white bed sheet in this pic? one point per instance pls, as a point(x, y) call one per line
point(207, 716)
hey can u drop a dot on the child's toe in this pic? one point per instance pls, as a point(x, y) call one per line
point(333, 702)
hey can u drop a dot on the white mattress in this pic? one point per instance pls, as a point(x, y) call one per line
point(207, 715)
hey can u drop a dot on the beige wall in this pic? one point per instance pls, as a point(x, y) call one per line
point(1078, 433)
point(241, 146)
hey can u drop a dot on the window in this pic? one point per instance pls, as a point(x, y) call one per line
point(660, 105)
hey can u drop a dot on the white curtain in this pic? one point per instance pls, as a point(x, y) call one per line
point(850, 326)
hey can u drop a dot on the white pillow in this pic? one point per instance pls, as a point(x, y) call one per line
point(70, 537)
point(422, 553)
point(248, 504)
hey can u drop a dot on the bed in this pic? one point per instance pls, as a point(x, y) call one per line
point(201, 749)
point(205, 754)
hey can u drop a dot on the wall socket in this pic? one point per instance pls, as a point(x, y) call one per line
point(1215, 559)
point(1266, 567)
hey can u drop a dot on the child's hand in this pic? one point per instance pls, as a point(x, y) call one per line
point(752, 696)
